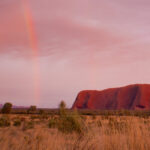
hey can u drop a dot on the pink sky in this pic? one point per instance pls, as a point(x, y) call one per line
point(82, 44)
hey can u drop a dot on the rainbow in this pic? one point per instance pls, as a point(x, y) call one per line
point(34, 49)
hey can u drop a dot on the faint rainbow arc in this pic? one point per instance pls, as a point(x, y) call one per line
point(34, 47)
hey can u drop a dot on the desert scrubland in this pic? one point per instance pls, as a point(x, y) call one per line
point(74, 132)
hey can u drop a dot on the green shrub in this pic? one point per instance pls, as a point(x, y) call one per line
point(62, 109)
point(62, 105)
point(67, 122)
point(4, 121)
point(17, 123)
point(7, 108)
point(32, 110)
point(53, 123)
point(28, 125)
point(70, 123)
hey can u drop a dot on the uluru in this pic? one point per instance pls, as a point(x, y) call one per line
point(130, 97)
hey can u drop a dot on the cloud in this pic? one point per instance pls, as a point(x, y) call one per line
point(55, 32)
point(71, 29)
point(71, 25)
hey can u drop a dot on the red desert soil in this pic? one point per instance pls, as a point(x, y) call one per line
point(130, 97)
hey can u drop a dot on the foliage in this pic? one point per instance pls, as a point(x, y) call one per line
point(28, 125)
point(17, 123)
point(32, 109)
point(71, 123)
point(53, 123)
point(4, 121)
point(67, 122)
point(62, 105)
point(7, 108)
point(62, 108)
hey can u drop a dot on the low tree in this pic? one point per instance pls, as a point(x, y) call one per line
point(7, 108)
point(32, 109)
point(68, 121)
point(62, 108)
point(62, 105)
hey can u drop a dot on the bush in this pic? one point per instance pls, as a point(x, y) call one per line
point(4, 121)
point(28, 125)
point(62, 108)
point(17, 123)
point(62, 105)
point(53, 123)
point(67, 122)
point(32, 109)
point(7, 108)
point(71, 123)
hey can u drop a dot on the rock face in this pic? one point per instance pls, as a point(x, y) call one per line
point(130, 97)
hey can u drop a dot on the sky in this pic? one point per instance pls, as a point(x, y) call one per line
point(52, 49)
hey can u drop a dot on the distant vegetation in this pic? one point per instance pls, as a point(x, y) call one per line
point(7, 108)
point(140, 113)
point(32, 109)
